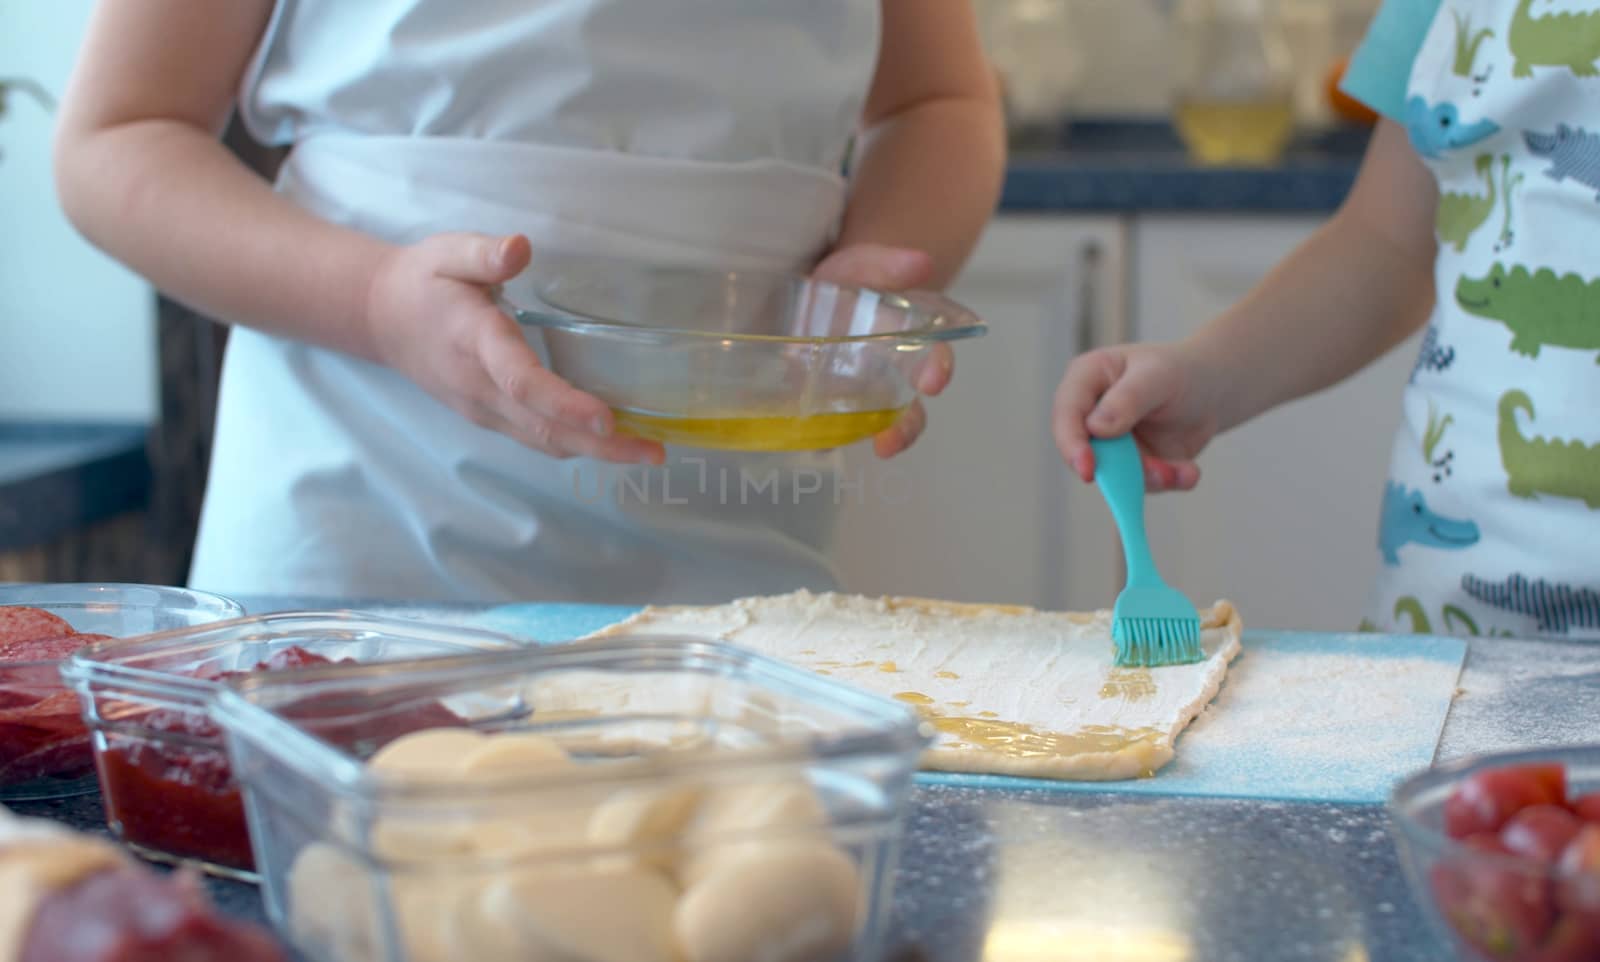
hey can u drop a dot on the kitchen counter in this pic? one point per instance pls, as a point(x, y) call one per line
point(1026, 875)
point(1134, 167)
point(56, 478)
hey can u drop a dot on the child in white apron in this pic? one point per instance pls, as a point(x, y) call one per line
point(383, 431)
point(1480, 195)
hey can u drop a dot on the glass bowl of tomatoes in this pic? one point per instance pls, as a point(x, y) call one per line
point(1503, 851)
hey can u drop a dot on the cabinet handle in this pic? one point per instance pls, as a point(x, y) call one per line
point(1088, 274)
point(1091, 334)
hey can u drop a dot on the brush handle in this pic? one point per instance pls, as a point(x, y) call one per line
point(1119, 472)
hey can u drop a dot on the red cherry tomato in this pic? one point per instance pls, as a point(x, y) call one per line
point(1587, 807)
point(1503, 911)
point(1582, 856)
point(1541, 832)
point(1583, 853)
point(1571, 939)
point(1578, 878)
point(1487, 842)
point(1487, 800)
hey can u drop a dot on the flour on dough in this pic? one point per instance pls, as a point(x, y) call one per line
point(1010, 690)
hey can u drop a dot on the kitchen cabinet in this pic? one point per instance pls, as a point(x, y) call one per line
point(981, 508)
point(1284, 521)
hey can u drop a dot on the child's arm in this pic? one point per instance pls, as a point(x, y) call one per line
point(932, 149)
point(927, 173)
point(1359, 286)
point(142, 174)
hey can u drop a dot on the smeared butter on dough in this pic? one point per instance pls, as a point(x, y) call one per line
point(1010, 690)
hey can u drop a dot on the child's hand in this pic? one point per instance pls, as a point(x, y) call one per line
point(884, 268)
point(434, 320)
point(1160, 392)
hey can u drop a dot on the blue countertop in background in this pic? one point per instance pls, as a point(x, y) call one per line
point(56, 478)
point(1139, 167)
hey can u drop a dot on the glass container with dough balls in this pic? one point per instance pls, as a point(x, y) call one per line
point(628, 800)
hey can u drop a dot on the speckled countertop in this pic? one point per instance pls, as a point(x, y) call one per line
point(1030, 875)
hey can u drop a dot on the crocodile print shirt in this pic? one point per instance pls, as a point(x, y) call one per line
point(1491, 510)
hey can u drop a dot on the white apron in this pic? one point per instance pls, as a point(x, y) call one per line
point(1491, 517)
point(334, 477)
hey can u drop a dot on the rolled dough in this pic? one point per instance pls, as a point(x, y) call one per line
point(1010, 690)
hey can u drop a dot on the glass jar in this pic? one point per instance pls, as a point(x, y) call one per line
point(1233, 91)
point(1031, 43)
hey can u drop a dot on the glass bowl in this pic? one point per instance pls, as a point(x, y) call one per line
point(666, 798)
point(1488, 903)
point(44, 746)
point(731, 359)
point(169, 791)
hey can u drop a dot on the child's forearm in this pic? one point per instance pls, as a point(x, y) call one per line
point(1335, 305)
point(932, 152)
point(167, 199)
point(1355, 289)
point(928, 179)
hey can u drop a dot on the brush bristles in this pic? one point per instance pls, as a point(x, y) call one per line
point(1153, 642)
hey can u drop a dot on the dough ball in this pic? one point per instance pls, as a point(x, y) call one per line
point(421, 837)
point(331, 907)
point(648, 820)
point(546, 822)
point(748, 812)
point(512, 753)
point(789, 901)
point(432, 753)
point(427, 905)
point(596, 912)
point(560, 820)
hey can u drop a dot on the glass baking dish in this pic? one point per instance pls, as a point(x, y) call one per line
point(162, 764)
point(44, 747)
point(666, 799)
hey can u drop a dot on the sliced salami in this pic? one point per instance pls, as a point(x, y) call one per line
point(134, 915)
point(19, 623)
point(44, 738)
point(69, 757)
point(43, 649)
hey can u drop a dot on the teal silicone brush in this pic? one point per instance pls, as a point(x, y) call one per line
point(1152, 624)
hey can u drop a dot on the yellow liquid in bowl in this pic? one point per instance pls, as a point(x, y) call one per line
point(1236, 132)
point(776, 432)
